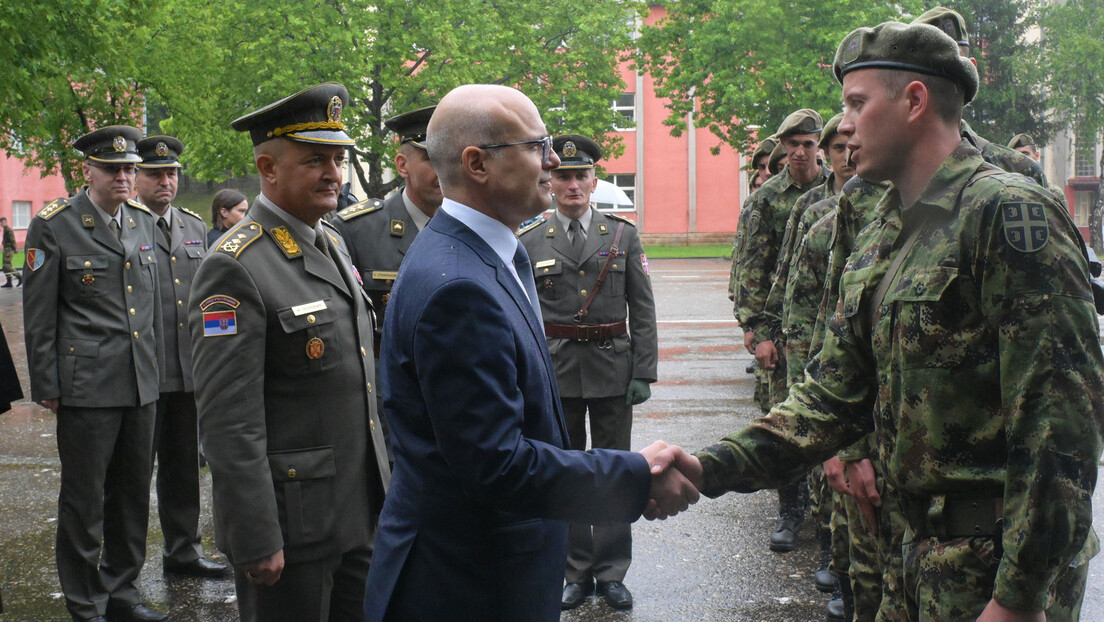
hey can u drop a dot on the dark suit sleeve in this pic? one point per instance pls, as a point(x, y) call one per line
point(40, 305)
point(229, 379)
point(475, 366)
point(642, 313)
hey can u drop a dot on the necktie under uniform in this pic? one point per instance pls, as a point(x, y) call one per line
point(114, 226)
point(525, 274)
point(575, 229)
point(163, 225)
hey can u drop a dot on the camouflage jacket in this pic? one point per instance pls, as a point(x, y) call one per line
point(804, 287)
point(770, 207)
point(737, 252)
point(981, 366)
point(1004, 158)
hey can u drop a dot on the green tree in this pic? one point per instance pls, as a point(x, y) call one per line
point(209, 62)
point(1073, 58)
point(743, 64)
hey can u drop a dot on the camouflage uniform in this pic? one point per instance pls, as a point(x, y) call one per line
point(983, 371)
point(1004, 158)
point(761, 394)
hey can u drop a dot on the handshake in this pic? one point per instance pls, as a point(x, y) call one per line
point(676, 478)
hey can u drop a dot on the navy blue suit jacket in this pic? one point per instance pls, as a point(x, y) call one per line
point(474, 522)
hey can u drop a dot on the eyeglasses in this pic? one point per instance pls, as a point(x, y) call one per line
point(545, 143)
point(113, 169)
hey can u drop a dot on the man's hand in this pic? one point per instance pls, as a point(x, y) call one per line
point(748, 338)
point(638, 393)
point(51, 404)
point(266, 570)
point(766, 354)
point(837, 478)
point(862, 486)
point(996, 612)
point(673, 489)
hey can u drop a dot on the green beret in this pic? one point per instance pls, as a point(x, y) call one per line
point(576, 151)
point(114, 143)
point(764, 149)
point(831, 128)
point(773, 164)
point(906, 47)
point(160, 152)
point(312, 115)
point(411, 126)
point(804, 121)
point(950, 22)
point(1021, 140)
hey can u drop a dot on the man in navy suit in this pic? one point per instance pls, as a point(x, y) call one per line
point(475, 522)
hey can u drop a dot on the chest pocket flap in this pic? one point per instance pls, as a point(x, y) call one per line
point(194, 252)
point(547, 267)
point(924, 285)
point(291, 322)
point(86, 262)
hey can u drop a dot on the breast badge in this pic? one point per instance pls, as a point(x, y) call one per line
point(315, 348)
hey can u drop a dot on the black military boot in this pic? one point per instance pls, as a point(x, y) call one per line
point(790, 515)
point(835, 611)
point(18, 280)
point(848, 597)
point(824, 579)
point(8, 282)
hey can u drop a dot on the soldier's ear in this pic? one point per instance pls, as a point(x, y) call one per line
point(266, 166)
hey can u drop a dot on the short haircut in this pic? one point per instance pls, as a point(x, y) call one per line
point(945, 95)
point(473, 126)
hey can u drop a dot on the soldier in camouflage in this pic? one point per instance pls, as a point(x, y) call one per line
point(966, 326)
point(770, 208)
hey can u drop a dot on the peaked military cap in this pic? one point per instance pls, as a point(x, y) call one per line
point(950, 22)
point(906, 47)
point(831, 128)
point(804, 121)
point(576, 151)
point(1021, 140)
point(312, 115)
point(160, 152)
point(411, 126)
point(774, 164)
point(114, 143)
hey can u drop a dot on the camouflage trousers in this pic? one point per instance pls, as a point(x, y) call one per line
point(855, 555)
point(762, 389)
point(821, 499)
point(8, 268)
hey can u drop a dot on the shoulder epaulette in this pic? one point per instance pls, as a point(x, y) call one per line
point(533, 225)
point(621, 218)
point(53, 208)
point(242, 235)
point(138, 206)
point(190, 213)
point(367, 206)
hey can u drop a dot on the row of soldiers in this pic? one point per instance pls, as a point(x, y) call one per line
point(265, 346)
point(813, 244)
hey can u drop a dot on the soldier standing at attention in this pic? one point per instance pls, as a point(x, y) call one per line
point(180, 247)
point(990, 440)
point(599, 317)
point(92, 322)
point(9, 254)
point(294, 441)
point(770, 209)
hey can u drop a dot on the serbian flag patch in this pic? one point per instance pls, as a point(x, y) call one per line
point(219, 323)
point(644, 263)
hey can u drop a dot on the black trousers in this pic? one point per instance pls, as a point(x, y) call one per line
point(176, 444)
point(103, 506)
point(330, 589)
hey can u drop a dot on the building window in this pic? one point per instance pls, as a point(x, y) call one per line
point(625, 105)
point(608, 197)
point(1083, 203)
point(1085, 156)
point(21, 214)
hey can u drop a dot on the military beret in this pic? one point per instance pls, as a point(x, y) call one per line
point(906, 47)
point(411, 126)
point(950, 22)
point(1021, 140)
point(774, 164)
point(312, 115)
point(831, 128)
point(804, 121)
point(576, 151)
point(114, 143)
point(160, 152)
point(764, 149)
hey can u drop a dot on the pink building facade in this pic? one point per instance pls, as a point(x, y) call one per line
point(23, 192)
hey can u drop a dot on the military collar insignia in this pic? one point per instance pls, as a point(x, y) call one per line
point(551, 232)
point(602, 228)
point(88, 221)
point(285, 241)
point(1025, 226)
point(398, 228)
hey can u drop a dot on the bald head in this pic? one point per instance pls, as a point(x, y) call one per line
point(472, 115)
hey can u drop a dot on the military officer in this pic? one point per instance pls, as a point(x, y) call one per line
point(92, 326)
point(985, 436)
point(592, 276)
point(293, 440)
point(180, 247)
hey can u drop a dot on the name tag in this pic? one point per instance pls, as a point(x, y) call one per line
point(310, 307)
point(545, 264)
point(381, 275)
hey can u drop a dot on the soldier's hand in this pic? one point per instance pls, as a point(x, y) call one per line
point(51, 404)
point(766, 354)
point(748, 338)
point(862, 486)
point(266, 570)
point(837, 479)
point(676, 477)
point(638, 393)
point(996, 612)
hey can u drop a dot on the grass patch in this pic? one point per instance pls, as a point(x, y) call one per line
point(686, 252)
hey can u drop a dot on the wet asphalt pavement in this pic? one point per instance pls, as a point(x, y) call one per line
point(709, 564)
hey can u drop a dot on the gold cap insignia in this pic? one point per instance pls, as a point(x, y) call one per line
point(333, 113)
point(119, 143)
point(569, 149)
point(162, 149)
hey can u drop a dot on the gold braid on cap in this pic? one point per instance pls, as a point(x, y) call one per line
point(300, 127)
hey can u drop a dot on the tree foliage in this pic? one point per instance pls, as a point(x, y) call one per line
point(742, 64)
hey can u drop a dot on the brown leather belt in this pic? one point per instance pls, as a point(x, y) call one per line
point(585, 332)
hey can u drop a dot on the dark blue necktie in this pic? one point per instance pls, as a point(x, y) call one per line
point(525, 274)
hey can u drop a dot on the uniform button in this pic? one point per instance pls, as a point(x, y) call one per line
point(149, 257)
point(180, 303)
point(127, 266)
point(582, 272)
point(369, 387)
point(363, 352)
point(371, 424)
point(135, 334)
point(132, 311)
point(311, 319)
point(174, 261)
point(176, 281)
point(919, 288)
point(72, 349)
point(583, 292)
point(182, 325)
point(614, 266)
point(292, 473)
point(129, 288)
point(88, 264)
point(546, 270)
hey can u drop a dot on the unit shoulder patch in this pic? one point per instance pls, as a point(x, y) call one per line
point(242, 235)
point(52, 209)
point(367, 206)
point(1025, 225)
point(620, 217)
point(533, 225)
